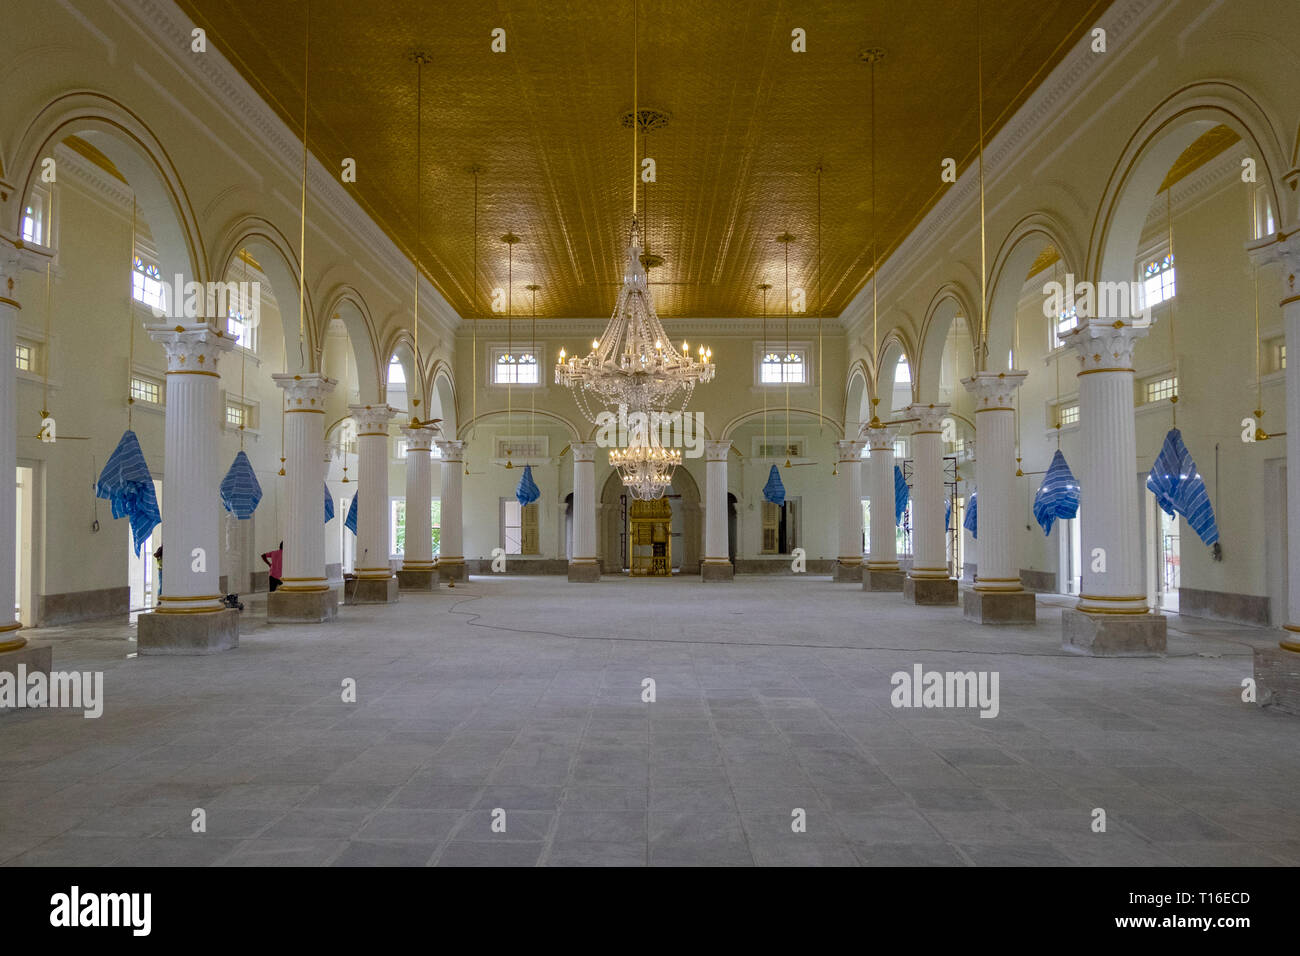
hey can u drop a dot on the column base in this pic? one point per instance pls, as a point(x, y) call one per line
point(302, 607)
point(1277, 679)
point(717, 571)
point(34, 658)
point(930, 591)
point(1113, 635)
point(451, 569)
point(584, 572)
point(999, 607)
point(413, 580)
point(210, 632)
point(873, 580)
point(374, 591)
point(847, 573)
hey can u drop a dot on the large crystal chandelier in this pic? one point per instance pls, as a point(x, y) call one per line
point(633, 369)
point(634, 365)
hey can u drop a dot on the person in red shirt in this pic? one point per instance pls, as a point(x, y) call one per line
point(275, 561)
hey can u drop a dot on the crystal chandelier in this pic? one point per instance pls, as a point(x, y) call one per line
point(634, 364)
point(646, 468)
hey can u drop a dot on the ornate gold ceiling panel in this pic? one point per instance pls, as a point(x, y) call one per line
point(749, 121)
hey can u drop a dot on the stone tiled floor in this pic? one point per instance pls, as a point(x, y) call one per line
point(524, 694)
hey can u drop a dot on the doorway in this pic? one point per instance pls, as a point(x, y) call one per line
point(1071, 553)
point(143, 570)
point(24, 544)
point(1164, 565)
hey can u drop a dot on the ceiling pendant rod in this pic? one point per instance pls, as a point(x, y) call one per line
point(1173, 340)
point(475, 169)
point(872, 57)
point(532, 287)
point(420, 59)
point(979, 91)
point(302, 217)
point(786, 239)
point(636, 115)
point(821, 303)
point(764, 286)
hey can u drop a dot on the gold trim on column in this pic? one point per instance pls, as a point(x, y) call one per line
point(1107, 597)
point(189, 610)
point(995, 408)
point(417, 565)
point(1286, 301)
point(12, 303)
point(189, 371)
point(17, 644)
point(201, 597)
point(1094, 371)
point(1292, 646)
point(10, 627)
point(304, 588)
point(313, 411)
point(1111, 610)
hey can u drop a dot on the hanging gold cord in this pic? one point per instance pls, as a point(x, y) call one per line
point(636, 114)
point(302, 219)
point(509, 239)
point(243, 405)
point(764, 286)
point(474, 323)
point(415, 315)
point(786, 240)
point(821, 302)
point(1173, 341)
point(984, 299)
point(45, 363)
point(130, 318)
point(532, 353)
point(1056, 360)
point(875, 262)
point(1015, 353)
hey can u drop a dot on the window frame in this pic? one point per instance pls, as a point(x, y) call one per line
point(498, 351)
point(802, 348)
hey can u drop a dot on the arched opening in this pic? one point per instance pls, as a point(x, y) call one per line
point(614, 516)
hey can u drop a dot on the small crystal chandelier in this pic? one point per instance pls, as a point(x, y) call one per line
point(646, 468)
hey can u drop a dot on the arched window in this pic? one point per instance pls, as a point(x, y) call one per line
point(1158, 281)
point(146, 284)
point(396, 374)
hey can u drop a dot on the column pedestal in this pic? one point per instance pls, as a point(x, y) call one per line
point(583, 566)
point(191, 617)
point(716, 564)
point(930, 592)
point(32, 657)
point(305, 596)
point(1113, 635)
point(376, 583)
point(881, 572)
point(451, 556)
point(848, 566)
point(998, 597)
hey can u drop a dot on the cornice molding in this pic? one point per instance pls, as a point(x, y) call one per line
point(229, 93)
point(1122, 20)
point(679, 328)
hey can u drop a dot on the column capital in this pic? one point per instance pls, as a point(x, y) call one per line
point(304, 393)
point(717, 450)
point(995, 391)
point(850, 450)
point(583, 450)
point(1278, 248)
point(372, 418)
point(418, 439)
point(880, 439)
point(192, 350)
point(10, 264)
point(451, 450)
point(1106, 346)
point(929, 417)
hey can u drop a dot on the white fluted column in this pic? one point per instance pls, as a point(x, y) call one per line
point(716, 565)
point(451, 557)
point(583, 565)
point(9, 309)
point(928, 580)
point(376, 583)
point(1108, 470)
point(417, 572)
point(191, 500)
point(305, 596)
point(998, 596)
point(849, 466)
point(882, 572)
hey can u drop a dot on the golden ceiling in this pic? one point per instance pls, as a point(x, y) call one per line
point(750, 120)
